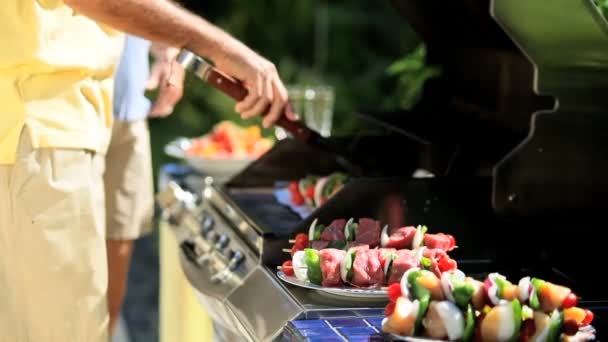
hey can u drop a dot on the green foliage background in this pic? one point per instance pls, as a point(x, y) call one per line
point(364, 38)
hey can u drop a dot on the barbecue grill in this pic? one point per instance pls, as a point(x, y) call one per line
point(520, 176)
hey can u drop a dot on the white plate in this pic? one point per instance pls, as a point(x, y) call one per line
point(350, 292)
point(393, 337)
point(220, 170)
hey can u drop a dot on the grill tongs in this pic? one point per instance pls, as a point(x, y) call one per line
point(233, 88)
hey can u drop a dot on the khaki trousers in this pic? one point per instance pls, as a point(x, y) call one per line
point(53, 271)
point(129, 187)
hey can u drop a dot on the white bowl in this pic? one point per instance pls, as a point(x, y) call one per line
point(221, 170)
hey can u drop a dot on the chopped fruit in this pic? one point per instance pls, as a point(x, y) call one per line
point(287, 268)
point(430, 282)
point(575, 314)
point(402, 319)
point(229, 141)
point(552, 296)
point(510, 292)
point(394, 292)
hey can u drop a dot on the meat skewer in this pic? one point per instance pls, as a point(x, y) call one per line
point(343, 234)
point(361, 266)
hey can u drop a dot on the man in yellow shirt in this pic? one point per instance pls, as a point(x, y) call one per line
point(56, 68)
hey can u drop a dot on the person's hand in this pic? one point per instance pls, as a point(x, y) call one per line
point(168, 76)
point(266, 93)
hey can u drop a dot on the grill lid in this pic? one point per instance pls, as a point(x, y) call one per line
point(504, 61)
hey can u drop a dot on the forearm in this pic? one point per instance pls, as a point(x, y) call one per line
point(160, 21)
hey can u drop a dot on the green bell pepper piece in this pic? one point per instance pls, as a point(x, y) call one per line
point(338, 244)
point(350, 261)
point(462, 294)
point(501, 284)
point(313, 261)
point(534, 300)
point(469, 327)
point(516, 307)
point(353, 228)
point(318, 231)
point(422, 294)
point(555, 328)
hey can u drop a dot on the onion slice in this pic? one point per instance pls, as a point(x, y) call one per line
point(524, 289)
point(319, 190)
point(452, 318)
point(300, 269)
point(384, 236)
point(447, 286)
point(311, 230)
point(346, 230)
point(418, 238)
point(405, 288)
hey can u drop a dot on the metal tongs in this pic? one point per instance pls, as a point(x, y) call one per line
point(233, 88)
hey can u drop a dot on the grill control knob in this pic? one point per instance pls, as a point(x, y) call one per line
point(236, 259)
point(175, 203)
point(207, 225)
point(189, 250)
point(222, 242)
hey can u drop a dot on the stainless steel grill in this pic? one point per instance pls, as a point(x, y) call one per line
point(520, 200)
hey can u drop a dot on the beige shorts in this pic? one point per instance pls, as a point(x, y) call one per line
point(128, 181)
point(53, 268)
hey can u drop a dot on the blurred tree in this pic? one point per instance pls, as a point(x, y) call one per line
point(346, 44)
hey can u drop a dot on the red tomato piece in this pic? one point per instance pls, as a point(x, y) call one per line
point(570, 301)
point(296, 248)
point(588, 317)
point(293, 187)
point(447, 264)
point(302, 239)
point(287, 268)
point(394, 292)
point(297, 198)
point(310, 192)
point(390, 308)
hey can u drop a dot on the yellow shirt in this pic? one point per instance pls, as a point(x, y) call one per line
point(56, 70)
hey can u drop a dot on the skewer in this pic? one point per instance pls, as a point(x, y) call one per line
point(292, 241)
point(286, 250)
point(282, 267)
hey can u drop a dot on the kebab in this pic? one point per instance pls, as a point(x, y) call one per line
point(456, 307)
point(343, 234)
point(314, 191)
point(361, 266)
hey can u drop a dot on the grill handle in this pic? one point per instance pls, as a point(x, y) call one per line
point(235, 89)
